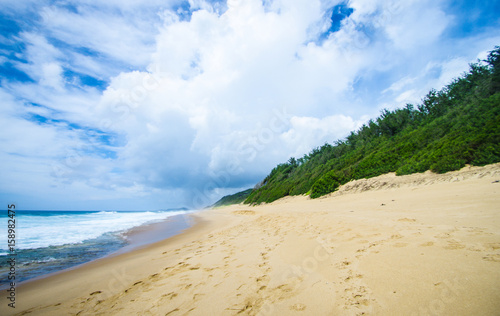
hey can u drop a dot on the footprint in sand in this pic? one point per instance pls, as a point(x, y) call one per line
point(343, 264)
point(172, 311)
point(427, 244)
point(493, 246)
point(244, 212)
point(443, 236)
point(263, 278)
point(453, 245)
point(410, 220)
point(298, 307)
point(170, 295)
point(493, 258)
point(357, 297)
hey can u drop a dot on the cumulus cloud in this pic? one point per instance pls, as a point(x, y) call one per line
point(309, 132)
point(202, 98)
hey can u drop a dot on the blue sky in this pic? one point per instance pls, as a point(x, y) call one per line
point(155, 104)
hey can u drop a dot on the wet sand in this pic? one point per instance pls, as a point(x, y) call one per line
point(145, 235)
point(422, 244)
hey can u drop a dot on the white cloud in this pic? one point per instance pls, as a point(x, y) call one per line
point(124, 40)
point(309, 132)
point(452, 69)
point(419, 24)
point(42, 58)
point(433, 76)
point(52, 75)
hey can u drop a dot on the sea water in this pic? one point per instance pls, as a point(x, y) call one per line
point(49, 241)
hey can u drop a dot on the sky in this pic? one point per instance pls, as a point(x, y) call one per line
point(148, 105)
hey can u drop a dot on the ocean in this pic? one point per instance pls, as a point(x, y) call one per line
point(50, 241)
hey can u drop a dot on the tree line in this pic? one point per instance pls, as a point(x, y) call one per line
point(452, 127)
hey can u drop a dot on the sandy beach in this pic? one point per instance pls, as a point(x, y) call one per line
point(422, 244)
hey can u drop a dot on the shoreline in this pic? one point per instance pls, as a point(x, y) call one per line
point(147, 234)
point(136, 238)
point(113, 269)
point(418, 244)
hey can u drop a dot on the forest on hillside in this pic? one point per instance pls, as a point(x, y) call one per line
point(458, 125)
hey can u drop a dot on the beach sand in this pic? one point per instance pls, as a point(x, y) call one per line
point(422, 244)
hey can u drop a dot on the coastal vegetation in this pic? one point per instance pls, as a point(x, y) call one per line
point(458, 125)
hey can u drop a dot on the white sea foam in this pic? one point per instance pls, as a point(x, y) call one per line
point(55, 230)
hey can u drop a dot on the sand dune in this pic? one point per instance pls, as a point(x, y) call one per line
point(422, 244)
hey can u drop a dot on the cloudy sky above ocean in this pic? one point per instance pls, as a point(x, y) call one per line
point(154, 104)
